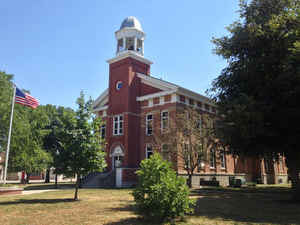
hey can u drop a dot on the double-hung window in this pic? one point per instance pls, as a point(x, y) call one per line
point(199, 126)
point(149, 124)
point(212, 158)
point(223, 159)
point(103, 129)
point(149, 151)
point(165, 152)
point(118, 125)
point(164, 120)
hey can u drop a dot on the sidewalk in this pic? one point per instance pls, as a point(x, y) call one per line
point(36, 181)
point(37, 191)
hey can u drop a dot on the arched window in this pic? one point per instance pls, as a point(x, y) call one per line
point(212, 158)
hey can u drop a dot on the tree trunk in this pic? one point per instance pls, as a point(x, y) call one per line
point(189, 180)
point(56, 180)
point(47, 178)
point(27, 178)
point(76, 187)
point(293, 172)
point(294, 176)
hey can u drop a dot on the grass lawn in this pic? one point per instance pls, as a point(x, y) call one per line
point(260, 205)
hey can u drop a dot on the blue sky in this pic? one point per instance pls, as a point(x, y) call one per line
point(57, 48)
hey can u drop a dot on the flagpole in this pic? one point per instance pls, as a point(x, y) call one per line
point(9, 133)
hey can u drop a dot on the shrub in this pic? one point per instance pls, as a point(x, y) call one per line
point(160, 194)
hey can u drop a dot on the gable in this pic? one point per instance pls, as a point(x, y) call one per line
point(147, 89)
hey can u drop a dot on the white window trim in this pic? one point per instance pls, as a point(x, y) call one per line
point(118, 126)
point(214, 159)
point(148, 145)
point(161, 120)
point(200, 126)
point(147, 124)
point(223, 158)
point(168, 150)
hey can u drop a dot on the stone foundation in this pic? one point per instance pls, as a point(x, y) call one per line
point(224, 178)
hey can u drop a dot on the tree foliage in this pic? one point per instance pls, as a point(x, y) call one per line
point(60, 121)
point(160, 194)
point(189, 136)
point(258, 92)
point(83, 146)
point(28, 130)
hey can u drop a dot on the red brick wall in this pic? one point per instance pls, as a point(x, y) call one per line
point(124, 102)
point(129, 175)
point(146, 90)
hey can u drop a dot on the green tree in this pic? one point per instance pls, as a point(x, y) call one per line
point(160, 194)
point(26, 150)
point(6, 91)
point(83, 146)
point(188, 136)
point(258, 92)
point(59, 120)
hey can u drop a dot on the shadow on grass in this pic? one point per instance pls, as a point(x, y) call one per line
point(129, 221)
point(48, 186)
point(38, 201)
point(135, 221)
point(247, 207)
point(266, 190)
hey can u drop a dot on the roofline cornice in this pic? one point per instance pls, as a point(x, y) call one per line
point(131, 54)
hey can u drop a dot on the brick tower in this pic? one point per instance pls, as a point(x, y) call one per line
point(123, 124)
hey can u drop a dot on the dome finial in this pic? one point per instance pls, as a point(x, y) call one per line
point(131, 22)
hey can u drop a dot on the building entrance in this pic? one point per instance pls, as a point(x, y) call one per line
point(117, 157)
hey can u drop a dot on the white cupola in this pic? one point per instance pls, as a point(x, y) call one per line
point(130, 37)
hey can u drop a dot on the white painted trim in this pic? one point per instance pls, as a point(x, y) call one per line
point(101, 108)
point(118, 177)
point(155, 95)
point(131, 54)
point(152, 121)
point(150, 103)
point(148, 144)
point(118, 122)
point(195, 96)
point(155, 82)
point(161, 119)
point(103, 95)
point(166, 86)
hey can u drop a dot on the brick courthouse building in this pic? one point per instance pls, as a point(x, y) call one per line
point(136, 105)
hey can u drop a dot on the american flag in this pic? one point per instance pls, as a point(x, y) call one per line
point(25, 99)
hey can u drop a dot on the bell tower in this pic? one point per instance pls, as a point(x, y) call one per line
point(124, 88)
point(130, 37)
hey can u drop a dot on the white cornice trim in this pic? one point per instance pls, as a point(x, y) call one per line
point(100, 108)
point(100, 98)
point(155, 95)
point(157, 83)
point(195, 96)
point(131, 54)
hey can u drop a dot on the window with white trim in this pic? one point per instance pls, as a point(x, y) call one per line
point(212, 158)
point(280, 164)
point(223, 159)
point(164, 120)
point(199, 126)
point(165, 152)
point(186, 156)
point(103, 130)
point(149, 151)
point(118, 125)
point(149, 124)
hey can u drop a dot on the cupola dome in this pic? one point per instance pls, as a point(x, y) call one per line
point(130, 37)
point(131, 22)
